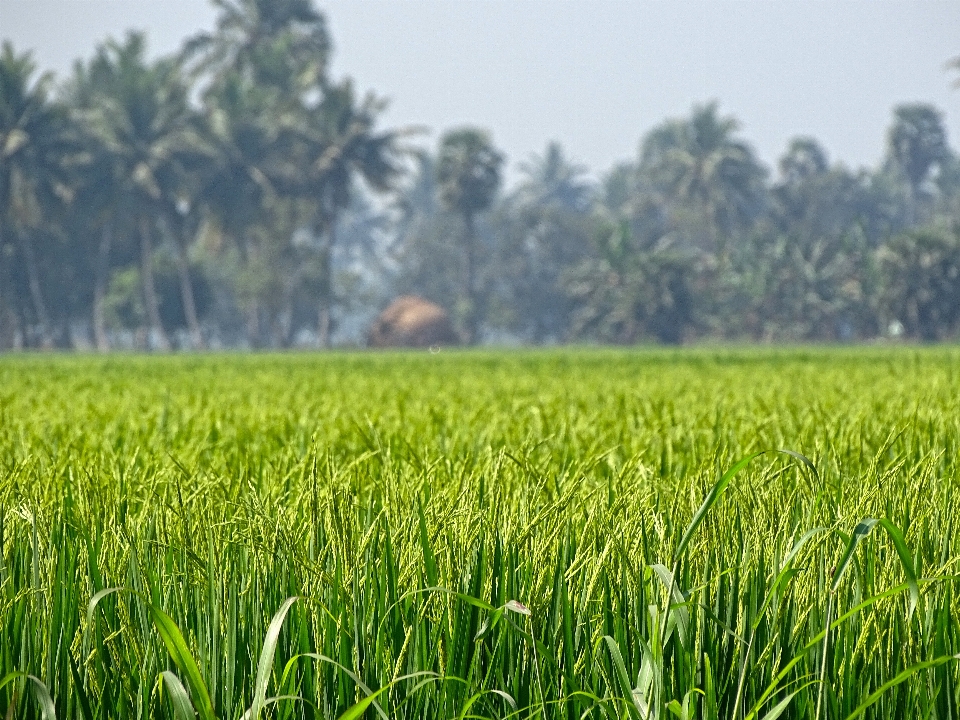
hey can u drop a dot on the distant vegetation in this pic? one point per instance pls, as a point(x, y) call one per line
point(238, 195)
point(549, 535)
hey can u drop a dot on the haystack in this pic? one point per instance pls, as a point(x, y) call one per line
point(411, 321)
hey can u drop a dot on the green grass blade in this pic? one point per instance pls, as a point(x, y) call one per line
point(786, 574)
point(860, 532)
point(780, 708)
point(906, 561)
point(806, 461)
point(177, 647)
point(626, 688)
point(82, 700)
point(429, 559)
point(179, 699)
point(357, 710)
point(91, 608)
point(901, 677)
point(47, 709)
point(265, 664)
point(712, 497)
point(678, 610)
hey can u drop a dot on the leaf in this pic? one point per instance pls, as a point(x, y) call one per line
point(506, 696)
point(905, 675)
point(806, 461)
point(182, 707)
point(92, 606)
point(712, 497)
point(678, 611)
point(429, 559)
point(517, 607)
point(771, 688)
point(352, 675)
point(47, 709)
point(265, 664)
point(906, 561)
point(781, 707)
point(860, 532)
point(356, 711)
point(177, 647)
point(82, 698)
point(787, 573)
point(623, 679)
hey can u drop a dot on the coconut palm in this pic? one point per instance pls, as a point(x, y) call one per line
point(624, 293)
point(35, 150)
point(544, 230)
point(917, 144)
point(468, 175)
point(701, 164)
point(281, 43)
point(920, 283)
point(805, 158)
point(422, 254)
point(237, 190)
point(141, 118)
point(334, 144)
point(551, 179)
point(264, 67)
point(92, 224)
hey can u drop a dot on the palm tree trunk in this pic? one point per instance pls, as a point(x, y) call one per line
point(8, 318)
point(286, 321)
point(149, 290)
point(912, 203)
point(469, 281)
point(186, 294)
point(324, 319)
point(36, 295)
point(101, 273)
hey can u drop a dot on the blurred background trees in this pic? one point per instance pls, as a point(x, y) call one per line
point(237, 195)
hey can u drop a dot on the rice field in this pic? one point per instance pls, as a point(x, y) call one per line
point(553, 534)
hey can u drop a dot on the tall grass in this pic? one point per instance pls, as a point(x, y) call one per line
point(554, 534)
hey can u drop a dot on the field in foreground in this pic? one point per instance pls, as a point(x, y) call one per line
point(481, 535)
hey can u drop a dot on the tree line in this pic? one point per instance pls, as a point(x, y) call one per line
point(236, 194)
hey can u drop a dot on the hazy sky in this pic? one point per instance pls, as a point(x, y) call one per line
point(593, 74)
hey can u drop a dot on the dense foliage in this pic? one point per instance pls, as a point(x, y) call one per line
point(481, 535)
point(238, 195)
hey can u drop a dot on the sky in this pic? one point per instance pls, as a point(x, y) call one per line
point(594, 75)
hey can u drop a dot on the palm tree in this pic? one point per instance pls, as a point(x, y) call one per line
point(92, 223)
point(805, 158)
point(920, 283)
point(332, 144)
point(262, 66)
point(468, 174)
point(550, 179)
point(700, 163)
point(917, 143)
point(278, 43)
point(547, 230)
point(422, 254)
point(35, 149)
point(239, 191)
point(141, 117)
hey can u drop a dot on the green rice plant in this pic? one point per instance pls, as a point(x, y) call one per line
point(562, 534)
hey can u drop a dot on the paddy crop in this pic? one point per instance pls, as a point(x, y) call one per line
point(576, 534)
